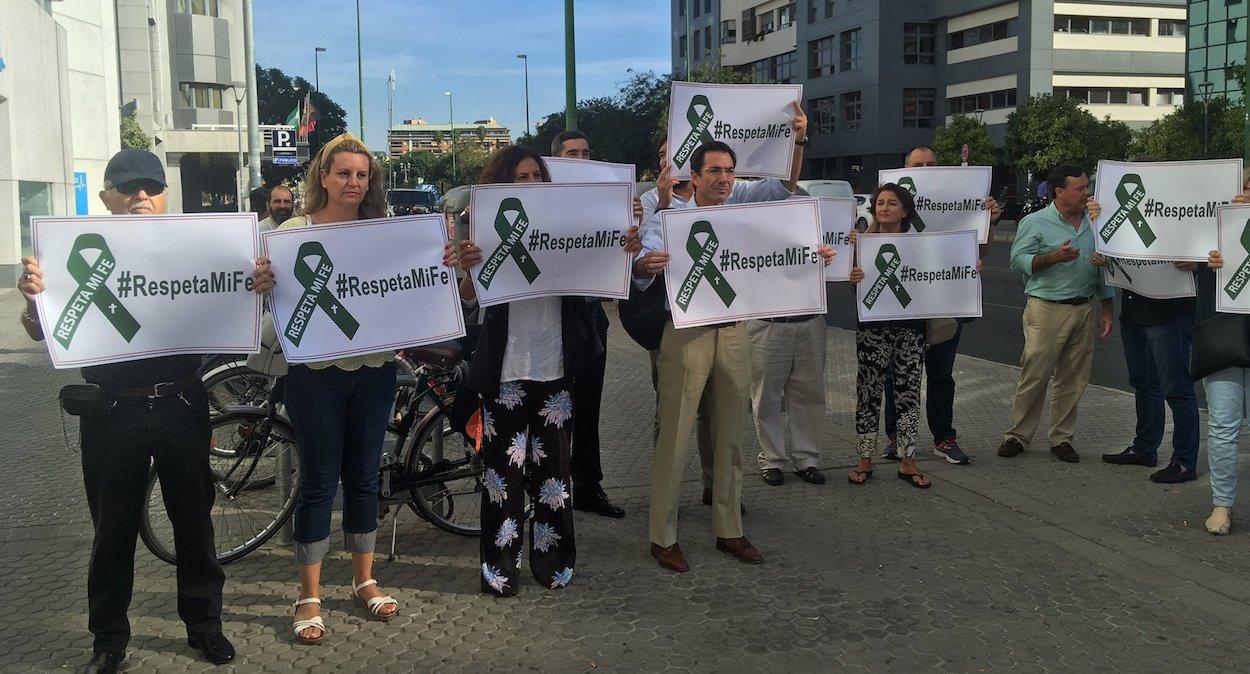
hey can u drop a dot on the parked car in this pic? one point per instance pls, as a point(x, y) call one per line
point(862, 217)
point(406, 201)
point(826, 188)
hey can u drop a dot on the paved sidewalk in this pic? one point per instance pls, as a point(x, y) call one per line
point(1026, 564)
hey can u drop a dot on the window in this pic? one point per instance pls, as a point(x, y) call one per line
point(1106, 96)
point(748, 25)
point(681, 46)
point(1100, 25)
point(728, 31)
point(33, 199)
point(828, 9)
point(823, 112)
point(1171, 97)
point(918, 43)
point(990, 100)
point(201, 95)
point(761, 71)
point(707, 41)
point(919, 108)
point(201, 7)
point(1171, 28)
point(852, 110)
point(707, 6)
point(765, 22)
point(813, 11)
point(696, 8)
point(696, 43)
point(851, 50)
point(681, 8)
point(1000, 30)
point(785, 16)
point(820, 57)
point(783, 67)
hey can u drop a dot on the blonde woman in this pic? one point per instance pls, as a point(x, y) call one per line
point(340, 407)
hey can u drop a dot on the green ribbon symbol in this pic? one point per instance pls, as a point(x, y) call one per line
point(703, 254)
point(887, 267)
point(699, 124)
point(1114, 267)
point(1242, 276)
point(510, 244)
point(317, 293)
point(910, 185)
point(92, 290)
point(1128, 211)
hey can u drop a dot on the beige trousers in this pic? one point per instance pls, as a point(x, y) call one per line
point(788, 374)
point(691, 361)
point(1058, 341)
point(703, 429)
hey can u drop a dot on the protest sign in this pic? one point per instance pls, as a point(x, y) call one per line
point(732, 263)
point(753, 119)
point(1234, 245)
point(1158, 279)
point(125, 287)
point(948, 198)
point(564, 170)
point(837, 221)
point(1162, 210)
point(357, 288)
point(913, 276)
point(544, 240)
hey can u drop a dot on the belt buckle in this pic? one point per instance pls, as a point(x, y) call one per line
point(165, 388)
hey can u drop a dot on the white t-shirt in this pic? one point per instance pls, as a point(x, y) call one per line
point(535, 348)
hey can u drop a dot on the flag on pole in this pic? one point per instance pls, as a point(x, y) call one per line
point(292, 119)
point(308, 122)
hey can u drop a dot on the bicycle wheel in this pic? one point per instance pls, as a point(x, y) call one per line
point(234, 384)
point(453, 504)
point(251, 503)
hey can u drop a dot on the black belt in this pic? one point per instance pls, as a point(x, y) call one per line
point(1070, 300)
point(159, 390)
point(721, 326)
point(791, 319)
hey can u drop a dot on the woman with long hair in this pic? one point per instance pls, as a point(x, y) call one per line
point(527, 355)
point(880, 344)
point(339, 407)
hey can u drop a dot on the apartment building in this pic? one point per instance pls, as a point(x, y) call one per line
point(880, 75)
point(418, 135)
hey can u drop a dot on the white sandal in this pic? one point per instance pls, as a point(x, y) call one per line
point(375, 604)
point(315, 621)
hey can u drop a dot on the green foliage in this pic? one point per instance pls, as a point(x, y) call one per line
point(436, 169)
point(132, 135)
point(1047, 130)
point(949, 140)
point(1179, 135)
point(277, 94)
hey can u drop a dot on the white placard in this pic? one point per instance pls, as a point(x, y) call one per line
point(356, 288)
point(1231, 295)
point(837, 221)
point(565, 171)
point(753, 119)
point(948, 198)
point(545, 240)
point(1162, 210)
point(1158, 279)
point(906, 276)
point(753, 261)
point(125, 287)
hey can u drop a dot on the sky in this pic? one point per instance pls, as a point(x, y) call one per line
point(466, 47)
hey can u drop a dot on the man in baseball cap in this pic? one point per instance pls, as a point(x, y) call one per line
point(134, 183)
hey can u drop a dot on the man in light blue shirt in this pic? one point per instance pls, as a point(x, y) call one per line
point(1053, 250)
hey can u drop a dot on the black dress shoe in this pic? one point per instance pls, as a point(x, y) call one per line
point(1173, 474)
point(707, 500)
point(216, 648)
point(105, 663)
point(1065, 452)
point(811, 475)
point(595, 501)
point(1130, 457)
point(772, 476)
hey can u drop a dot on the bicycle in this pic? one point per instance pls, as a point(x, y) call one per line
point(426, 464)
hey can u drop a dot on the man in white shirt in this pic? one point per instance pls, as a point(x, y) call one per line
point(280, 205)
point(716, 358)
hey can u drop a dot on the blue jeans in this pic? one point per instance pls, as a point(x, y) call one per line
point(1228, 406)
point(1158, 370)
point(340, 420)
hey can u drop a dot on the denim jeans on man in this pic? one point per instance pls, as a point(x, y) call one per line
point(340, 421)
point(1158, 370)
point(1228, 406)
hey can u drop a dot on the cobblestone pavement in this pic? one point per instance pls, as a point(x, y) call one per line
point(1028, 564)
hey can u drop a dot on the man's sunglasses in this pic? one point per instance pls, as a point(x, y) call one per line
point(129, 187)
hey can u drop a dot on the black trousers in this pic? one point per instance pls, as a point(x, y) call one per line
point(587, 466)
point(117, 451)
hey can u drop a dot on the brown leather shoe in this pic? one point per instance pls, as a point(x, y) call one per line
point(670, 558)
point(740, 548)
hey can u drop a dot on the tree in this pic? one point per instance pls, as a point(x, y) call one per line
point(1047, 130)
point(1179, 135)
point(949, 140)
point(132, 134)
point(277, 94)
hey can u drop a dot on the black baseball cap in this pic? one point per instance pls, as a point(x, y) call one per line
point(130, 165)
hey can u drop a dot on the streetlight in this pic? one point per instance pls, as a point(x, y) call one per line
point(1206, 117)
point(317, 67)
point(240, 93)
point(451, 117)
point(979, 112)
point(526, 61)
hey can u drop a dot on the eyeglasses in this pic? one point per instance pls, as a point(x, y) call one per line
point(717, 171)
point(128, 188)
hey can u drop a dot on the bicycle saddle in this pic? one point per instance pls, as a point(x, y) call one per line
point(440, 354)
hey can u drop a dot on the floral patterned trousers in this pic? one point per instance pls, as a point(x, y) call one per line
point(525, 450)
point(877, 349)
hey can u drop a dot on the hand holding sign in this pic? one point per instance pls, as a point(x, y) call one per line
point(31, 283)
point(262, 276)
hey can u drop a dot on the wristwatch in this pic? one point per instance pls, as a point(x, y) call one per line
point(801, 142)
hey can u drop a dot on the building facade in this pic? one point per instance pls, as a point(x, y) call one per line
point(1216, 51)
point(418, 135)
point(880, 75)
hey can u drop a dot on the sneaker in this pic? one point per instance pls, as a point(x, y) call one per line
point(1130, 457)
point(1010, 448)
point(949, 450)
point(1173, 474)
point(891, 448)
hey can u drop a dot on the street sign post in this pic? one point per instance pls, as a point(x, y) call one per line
point(284, 147)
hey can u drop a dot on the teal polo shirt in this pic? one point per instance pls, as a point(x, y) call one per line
point(1043, 232)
